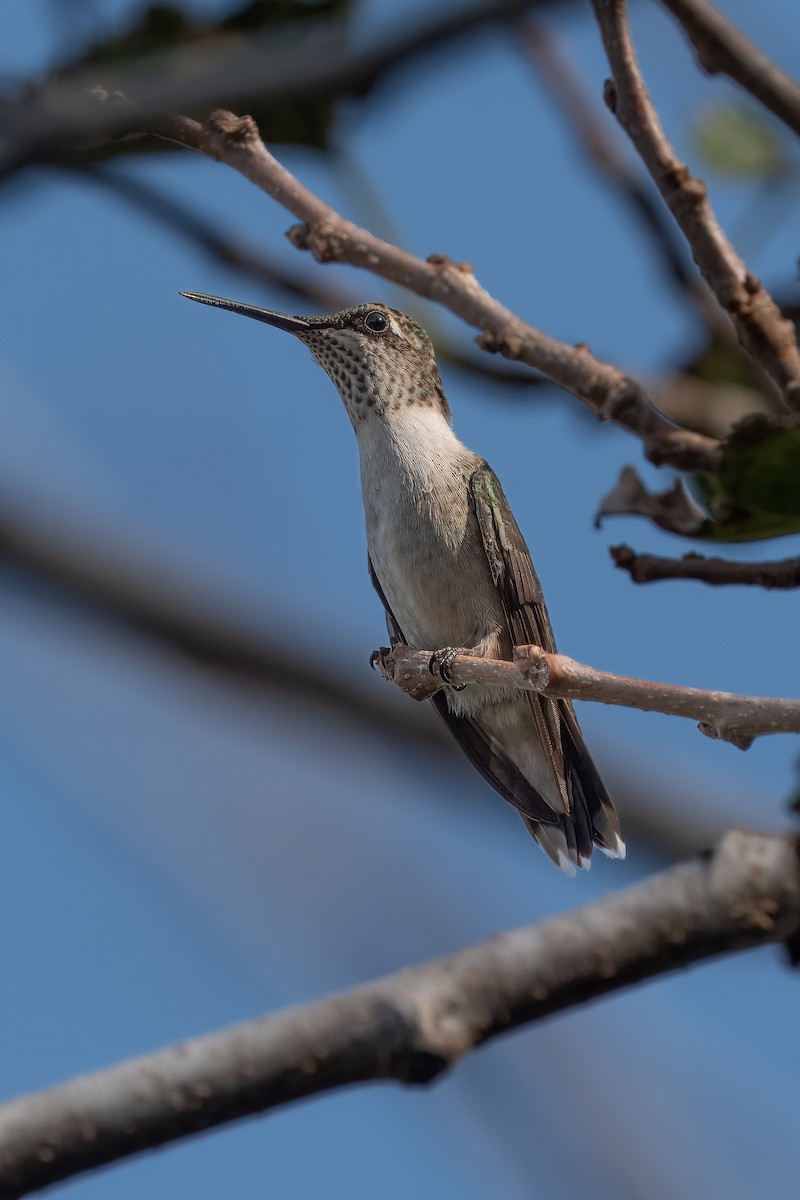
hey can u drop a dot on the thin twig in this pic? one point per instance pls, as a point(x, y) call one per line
point(557, 73)
point(724, 715)
point(647, 568)
point(761, 327)
point(412, 1026)
point(610, 393)
point(722, 48)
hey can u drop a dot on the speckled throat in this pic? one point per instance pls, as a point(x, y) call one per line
point(380, 360)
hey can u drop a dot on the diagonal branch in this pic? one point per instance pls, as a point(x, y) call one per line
point(610, 393)
point(55, 120)
point(761, 327)
point(141, 593)
point(722, 48)
point(725, 715)
point(411, 1026)
point(647, 568)
point(559, 76)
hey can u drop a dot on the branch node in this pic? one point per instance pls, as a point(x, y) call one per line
point(509, 345)
point(752, 283)
point(534, 664)
point(445, 263)
point(298, 235)
point(718, 732)
point(610, 95)
point(239, 131)
point(319, 237)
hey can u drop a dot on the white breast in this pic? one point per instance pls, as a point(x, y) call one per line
point(422, 534)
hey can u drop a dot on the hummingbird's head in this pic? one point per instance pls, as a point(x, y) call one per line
point(380, 360)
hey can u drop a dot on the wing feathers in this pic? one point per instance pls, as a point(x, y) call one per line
point(588, 816)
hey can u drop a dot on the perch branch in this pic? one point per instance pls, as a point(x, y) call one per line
point(647, 568)
point(762, 329)
point(411, 1026)
point(721, 48)
point(725, 715)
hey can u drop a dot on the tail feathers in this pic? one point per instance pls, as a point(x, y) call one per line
point(566, 838)
point(591, 821)
point(570, 842)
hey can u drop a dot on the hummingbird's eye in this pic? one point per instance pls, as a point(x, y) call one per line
point(376, 321)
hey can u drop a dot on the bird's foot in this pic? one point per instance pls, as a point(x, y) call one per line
point(378, 662)
point(442, 660)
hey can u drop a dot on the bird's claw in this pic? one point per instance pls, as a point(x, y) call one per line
point(440, 663)
point(377, 660)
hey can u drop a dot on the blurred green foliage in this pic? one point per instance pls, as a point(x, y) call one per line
point(161, 28)
point(756, 494)
point(741, 141)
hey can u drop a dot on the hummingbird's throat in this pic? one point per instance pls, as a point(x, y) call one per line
point(343, 360)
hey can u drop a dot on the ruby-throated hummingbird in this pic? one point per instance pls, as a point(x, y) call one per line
point(452, 570)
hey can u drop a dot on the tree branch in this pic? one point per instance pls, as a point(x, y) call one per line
point(647, 568)
point(559, 77)
point(761, 327)
point(143, 595)
point(725, 715)
point(724, 49)
point(411, 1026)
point(56, 118)
point(610, 393)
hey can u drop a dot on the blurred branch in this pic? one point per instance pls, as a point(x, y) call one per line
point(610, 393)
point(176, 614)
point(411, 1026)
point(724, 715)
point(722, 48)
point(230, 251)
point(647, 568)
point(224, 248)
point(762, 329)
point(557, 73)
point(58, 118)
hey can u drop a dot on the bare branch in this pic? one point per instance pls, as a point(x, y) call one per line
point(559, 76)
point(722, 48)
point(647, 568)
point(761, 327)
point(724, 715)
point(610, 393)
point(411, 1026)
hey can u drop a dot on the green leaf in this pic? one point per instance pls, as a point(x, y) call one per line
point(740, 141)
point(162, 28)
point(756, 494)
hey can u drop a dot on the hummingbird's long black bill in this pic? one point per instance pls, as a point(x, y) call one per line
point(279, 320)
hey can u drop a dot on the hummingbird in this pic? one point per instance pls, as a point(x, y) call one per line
point(452, 569)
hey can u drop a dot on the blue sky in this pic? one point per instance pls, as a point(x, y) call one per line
point(178, 856)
